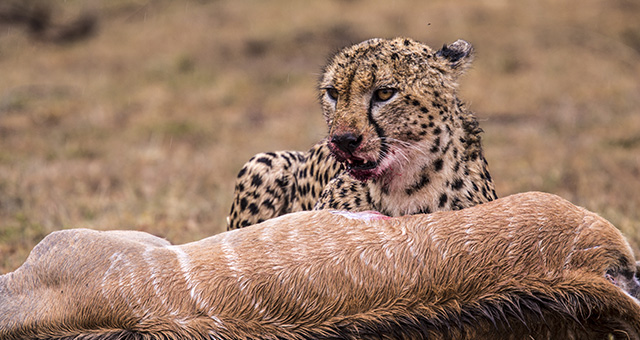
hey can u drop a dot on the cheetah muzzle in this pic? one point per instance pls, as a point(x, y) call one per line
point(346, 150)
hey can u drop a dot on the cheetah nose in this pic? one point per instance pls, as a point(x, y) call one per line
point(347, 142)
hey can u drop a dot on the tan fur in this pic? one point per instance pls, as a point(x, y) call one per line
point(417, 151)
point(528, 265)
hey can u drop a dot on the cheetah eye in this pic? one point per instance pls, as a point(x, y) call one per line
point(332, 93)
point(382, 95)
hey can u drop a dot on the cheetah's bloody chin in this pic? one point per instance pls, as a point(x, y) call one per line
point(358, 167)
point(362, 175)
point(363, 170)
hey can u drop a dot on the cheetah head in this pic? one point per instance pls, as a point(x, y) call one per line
point(389, 102)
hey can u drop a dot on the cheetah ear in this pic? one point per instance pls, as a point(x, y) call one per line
point(459, 54)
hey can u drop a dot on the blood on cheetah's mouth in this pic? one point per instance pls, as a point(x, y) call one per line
point(361, 169)
point(359, 164)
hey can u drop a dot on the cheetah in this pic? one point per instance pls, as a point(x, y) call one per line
point(400, 141)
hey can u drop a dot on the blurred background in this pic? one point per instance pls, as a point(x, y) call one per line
point(137, 114)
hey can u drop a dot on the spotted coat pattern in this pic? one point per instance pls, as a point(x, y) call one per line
point(400, 141)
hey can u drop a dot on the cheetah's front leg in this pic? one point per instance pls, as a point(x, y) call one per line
point(265, 188)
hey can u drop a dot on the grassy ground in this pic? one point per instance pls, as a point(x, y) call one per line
point(145, 124)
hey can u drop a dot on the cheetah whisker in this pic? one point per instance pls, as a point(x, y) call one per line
point(401, 147)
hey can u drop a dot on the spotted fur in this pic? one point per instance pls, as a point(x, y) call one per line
point(400, 141)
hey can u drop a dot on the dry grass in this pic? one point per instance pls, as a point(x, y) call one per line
point(144, 125)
